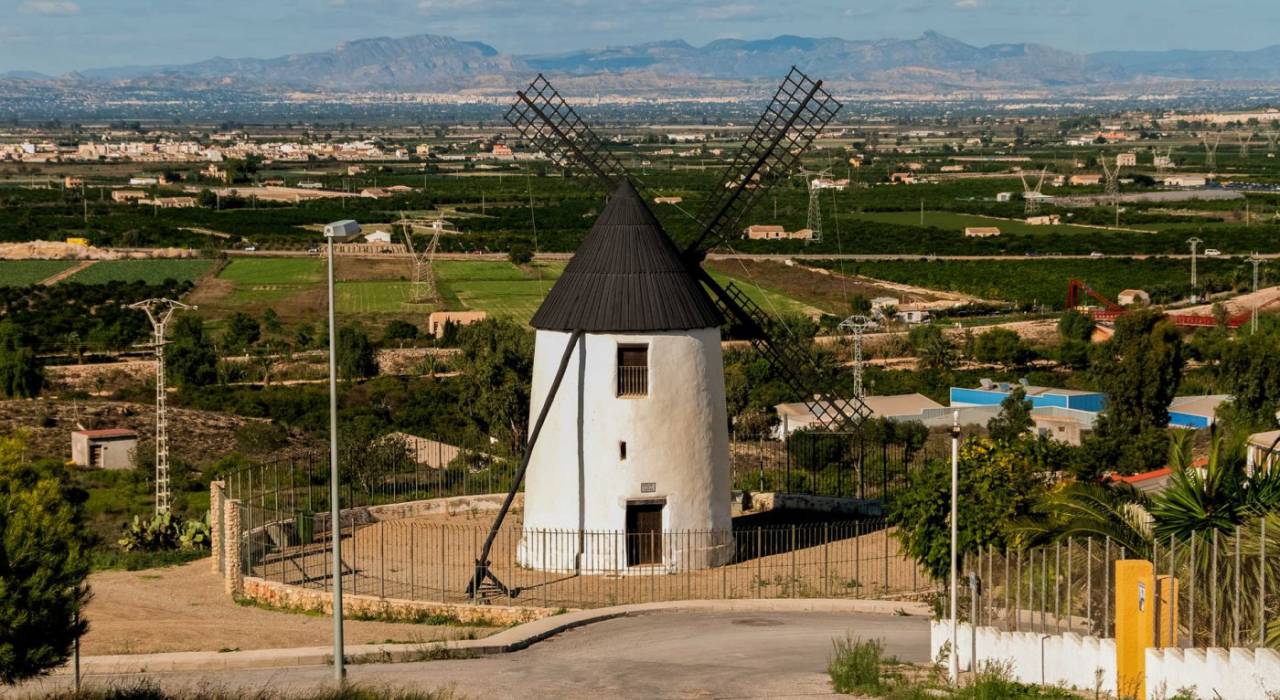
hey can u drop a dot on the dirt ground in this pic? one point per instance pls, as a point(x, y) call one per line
point(184, 608)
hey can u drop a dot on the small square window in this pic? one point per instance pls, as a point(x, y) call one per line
point(622, 450)
point(633, 370)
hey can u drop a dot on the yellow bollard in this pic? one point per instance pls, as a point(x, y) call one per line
point(1135, 624)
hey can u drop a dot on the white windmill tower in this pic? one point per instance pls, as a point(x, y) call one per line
point(637, 439)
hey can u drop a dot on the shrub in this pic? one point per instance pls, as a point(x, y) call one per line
point(854, 666)
point(165, 533)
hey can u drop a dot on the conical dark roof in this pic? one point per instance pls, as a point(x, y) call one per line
point(626, 276)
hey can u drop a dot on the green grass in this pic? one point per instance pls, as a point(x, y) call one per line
point(774, 303)
point(952, 221)
point(148, 271)
point(248, 272)
point(500, 288)
point(378, 296)
point(854, 665)
point(24, 273)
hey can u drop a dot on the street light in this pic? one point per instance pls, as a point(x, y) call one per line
point(337, 231)
point(955, 496)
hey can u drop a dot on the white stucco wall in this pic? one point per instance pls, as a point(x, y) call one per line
point(1230, 674)
point(1069, 660)
point(677, 440)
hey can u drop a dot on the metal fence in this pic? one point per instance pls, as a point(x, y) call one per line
point(836, 464)
point(1224, 590)
point(419, 560)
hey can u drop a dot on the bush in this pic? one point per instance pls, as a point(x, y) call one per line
point(854, 666)
point(165, 533)
point(520, 254)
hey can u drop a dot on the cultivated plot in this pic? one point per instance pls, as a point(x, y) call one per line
point(24, 273)
point(148, 271)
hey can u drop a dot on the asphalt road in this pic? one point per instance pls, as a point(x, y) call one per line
point(660, 655)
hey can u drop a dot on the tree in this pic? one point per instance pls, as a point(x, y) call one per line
point(1250, 368)
point(496, 362)
point(21, 372)
point(44, 560)
point(1001, 346)
point(1141, 367)
point(933, 348)
point(1075, 325)
point(1014, 419)
point(356, 356)
point(999, 484)
point(189, 357)
point(241, 332)
point(520, 254)
point(399, 330)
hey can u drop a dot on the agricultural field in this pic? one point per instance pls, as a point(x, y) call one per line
point(148, 271)
point(500, 288)
point(1043, 283)
point(24, 273)
point(952, 221)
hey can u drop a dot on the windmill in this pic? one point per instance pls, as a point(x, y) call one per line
point(1211, 151)
point(424, 280)
point(814, 183)
point(158, 312)
point(632, 297)
point(1031, 197)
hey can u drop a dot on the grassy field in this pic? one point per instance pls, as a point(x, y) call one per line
point(500, 288)
point(378, 297)
point(771, 300)
point(952, 221)
point(149, 271)
point(24, 273)
point(273, 271)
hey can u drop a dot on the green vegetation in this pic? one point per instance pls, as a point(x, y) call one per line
point(45, 563)
point(146, 271)
point(854, 665)
point(956, 223)
point(273, 271)
point(1029, 283)
point(501, 288)
point(23, 273)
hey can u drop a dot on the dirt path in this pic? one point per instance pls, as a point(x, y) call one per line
point(1264, 300)
point(184, 608)
point(56, 278)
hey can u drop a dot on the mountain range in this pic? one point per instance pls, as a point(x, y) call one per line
point(930, 61)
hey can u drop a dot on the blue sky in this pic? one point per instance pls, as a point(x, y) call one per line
point(55, 36)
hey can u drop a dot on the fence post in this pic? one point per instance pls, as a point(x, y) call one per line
point(759, 562)
point(826, 560)
point(216, 491)
point(233, 582)
point(382, 559)
point(1262, 581)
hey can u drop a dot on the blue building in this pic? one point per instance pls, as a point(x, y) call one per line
point(992, 393)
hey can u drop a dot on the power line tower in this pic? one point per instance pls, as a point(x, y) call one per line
point(1031, 197)
point(814, 220)
point(159, 311)
point(1211, 151)
point(1194, 243)
point(1245, 140)
point(1112, 176)
point(857, 324)
point(1163, 161)
point(1256, 262)
point(1272, 137)
point(424, 280)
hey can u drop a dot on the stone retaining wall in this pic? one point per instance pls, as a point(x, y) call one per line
point(287, 597)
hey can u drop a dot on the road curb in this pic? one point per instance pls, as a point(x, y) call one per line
point(509, 640)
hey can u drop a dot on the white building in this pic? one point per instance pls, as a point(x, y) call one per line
point(112, 448)
point(377, 237)
point(1127, 160)
point(636, 439)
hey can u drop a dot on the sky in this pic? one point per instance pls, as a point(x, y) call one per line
point(56, 36)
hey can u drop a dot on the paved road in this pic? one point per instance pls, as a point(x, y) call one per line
point(660, 655)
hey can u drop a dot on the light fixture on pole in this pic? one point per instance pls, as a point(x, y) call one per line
point(955, 494)
point(337, 231)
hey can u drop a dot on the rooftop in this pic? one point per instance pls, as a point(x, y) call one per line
point(107, 433)
point(627, 276)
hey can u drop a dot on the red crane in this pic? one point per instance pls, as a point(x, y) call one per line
point(1111, 310)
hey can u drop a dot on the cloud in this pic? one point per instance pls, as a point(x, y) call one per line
point(967, 4)
point(49, 7)
point(727, 12)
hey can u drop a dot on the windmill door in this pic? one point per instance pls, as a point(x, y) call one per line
point(644, 533)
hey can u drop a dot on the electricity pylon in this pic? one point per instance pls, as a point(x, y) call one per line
point(1031, 197)
point(1112, 174)
point(858, 324)
point(1194, 243)
point(1211, 152)
point(159, 311)
point(424, 280)
point(814, 220)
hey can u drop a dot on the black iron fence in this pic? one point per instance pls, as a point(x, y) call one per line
point(823, 463)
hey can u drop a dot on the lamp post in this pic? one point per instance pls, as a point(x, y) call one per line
point(337, 231)
point(955, 494)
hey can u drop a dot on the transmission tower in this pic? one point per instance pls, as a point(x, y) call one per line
point(858, 325)
point(1272, 137)
point(159, 311)
point(1163, 162)
point(1112, 175)
point(1244, 145)
point(424, 280)
point(1194, 243)
point(1031, 197)
point(1256, 262)
point(1211, 151)
point(814, 220)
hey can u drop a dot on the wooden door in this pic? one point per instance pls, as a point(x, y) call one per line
point(644, 533)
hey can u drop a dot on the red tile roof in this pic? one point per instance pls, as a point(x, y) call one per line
point(108, 433)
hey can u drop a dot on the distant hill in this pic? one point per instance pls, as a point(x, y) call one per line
point(932, 60)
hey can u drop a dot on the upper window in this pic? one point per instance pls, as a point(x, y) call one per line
point(633, 370)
